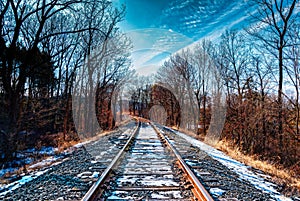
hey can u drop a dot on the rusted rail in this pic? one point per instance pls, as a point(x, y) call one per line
point(199, 191)
point(95, 190)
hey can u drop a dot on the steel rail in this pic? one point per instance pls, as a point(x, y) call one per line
point(93, 192)
point(199, 191)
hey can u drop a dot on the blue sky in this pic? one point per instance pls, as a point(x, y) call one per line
point(159, 28)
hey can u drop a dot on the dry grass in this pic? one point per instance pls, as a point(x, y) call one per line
point(63, 145)
point(284, 177)
point(289, 180)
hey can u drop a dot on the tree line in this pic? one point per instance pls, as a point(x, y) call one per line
point(240, 81)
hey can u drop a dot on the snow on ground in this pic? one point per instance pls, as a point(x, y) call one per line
point(81, 144)
point(241, 169)
point(46, 162)
point(216, 191)
point(49, 161)
point(27, 157)
point(53, 157)
point(25, 178)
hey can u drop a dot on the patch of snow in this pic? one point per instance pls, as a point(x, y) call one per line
point(28, 157)
point(121, 195)
point(34, 151)
point(95, 175)
point(150, 181)
point(216, 191)
point(28, 160)
point(81, 144)
point(166, 194)
point(84, 174)
point(158, 196)
point(14, 185)
point(4, 189)
point(46, 162)
point(48, 150)
point(241, 169)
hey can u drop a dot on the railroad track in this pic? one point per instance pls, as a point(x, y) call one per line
point(218, 179)
point(72, 178)
point(148, 167)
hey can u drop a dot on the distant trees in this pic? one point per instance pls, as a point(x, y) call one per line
point(139, 93)
point(163, 97)
point(177, 75)
point(193, 78)
point(155, 102)
point(158, 114)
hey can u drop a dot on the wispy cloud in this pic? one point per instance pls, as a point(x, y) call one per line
point(180, 25)
point(152, 46)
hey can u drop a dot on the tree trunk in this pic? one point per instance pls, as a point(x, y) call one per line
point(280, 102)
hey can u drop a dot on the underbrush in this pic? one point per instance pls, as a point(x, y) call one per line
point(288, 179)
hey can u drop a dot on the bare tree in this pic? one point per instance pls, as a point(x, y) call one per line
point(203, 79)
point(104, 69)
point(292, 69)
point(273, 20)
point(177, 75)
point(23, 45)
point(235, 58)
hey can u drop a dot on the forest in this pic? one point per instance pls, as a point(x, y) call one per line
point(44, 44)
point(62, 60)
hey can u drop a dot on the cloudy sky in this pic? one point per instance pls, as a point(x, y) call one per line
point(159, 28)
